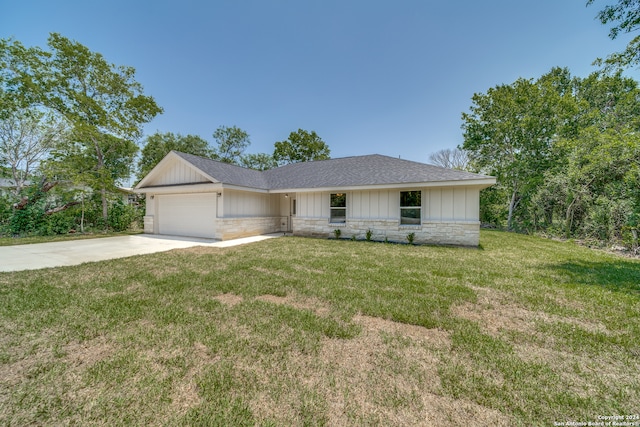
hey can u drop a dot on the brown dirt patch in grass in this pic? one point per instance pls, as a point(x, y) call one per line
point(315, 305)
point(229, 299)
point(495, 314)
point(435, 337)
point(388, 375)
point(185, 393)
point(390, 372)
point(84, 354)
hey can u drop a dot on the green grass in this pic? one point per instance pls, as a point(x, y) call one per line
point(293, 331)
point(25, 240)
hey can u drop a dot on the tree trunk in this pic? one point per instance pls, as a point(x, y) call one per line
point(105, 212)
point(44, 187)
point(61, 208)
point(568, 221)
point(82, 216)
point(512, 206)
point(103, 190)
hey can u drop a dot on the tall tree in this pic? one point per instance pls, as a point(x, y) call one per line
point(104, 105)
point(595, 190)
point(625, 18)
point(232, 141)
point(158, 145)
point(452, 158)
point(302, 146)
point(258, 161)
point(510, 130)
point(26, 136)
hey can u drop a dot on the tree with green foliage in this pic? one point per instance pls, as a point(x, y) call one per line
point(101, 103)
point(510, 130)
point(258, 161)
point(158, 145)
point(625, 18)
point(595, 191)
point(232, 141)
point(302, 146)
point(105, 106)
point(26, 136)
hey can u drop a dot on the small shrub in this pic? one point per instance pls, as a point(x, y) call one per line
point(411, 237)
point(121, 216)
point(353, 238)
point(337, 232)
point(368, 235)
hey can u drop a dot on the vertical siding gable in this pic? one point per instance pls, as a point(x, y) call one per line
point(178, 172)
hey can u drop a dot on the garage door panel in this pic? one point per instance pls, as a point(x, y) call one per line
point(187, 214)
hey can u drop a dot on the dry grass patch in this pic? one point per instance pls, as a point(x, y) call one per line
point(315, 305)
point(229, 299)
point(497, 315)
point(185, 393)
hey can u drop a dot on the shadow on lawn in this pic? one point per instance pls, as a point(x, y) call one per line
point(620, 276)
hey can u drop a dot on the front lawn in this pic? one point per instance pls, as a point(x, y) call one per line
point(295, 331)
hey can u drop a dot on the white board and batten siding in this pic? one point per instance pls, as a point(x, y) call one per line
point(250, 204)
point(438, 204)
point(178, 173)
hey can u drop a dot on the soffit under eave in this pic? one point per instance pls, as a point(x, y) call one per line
point(475, 183)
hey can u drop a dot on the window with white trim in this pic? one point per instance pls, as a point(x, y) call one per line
point(338, 208)
point(410, 207)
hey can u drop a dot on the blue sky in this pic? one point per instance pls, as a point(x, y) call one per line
point(369, 76)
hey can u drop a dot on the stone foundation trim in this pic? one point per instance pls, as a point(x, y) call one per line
point(234, 228)
point(458, 233)
point(148, 224)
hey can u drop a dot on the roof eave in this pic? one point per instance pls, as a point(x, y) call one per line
point(480, 183)
point(198, 187)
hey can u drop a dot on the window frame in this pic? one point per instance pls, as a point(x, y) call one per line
point(406, 220)
point(333, 208)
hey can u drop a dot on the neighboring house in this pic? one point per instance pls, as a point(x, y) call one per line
point(187, 195)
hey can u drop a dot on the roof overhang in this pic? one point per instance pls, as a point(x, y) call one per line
point(476, 183)
point(196, 187)
point(200, 187)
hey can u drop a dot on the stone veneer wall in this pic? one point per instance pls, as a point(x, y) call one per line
point(232, 228)
point(148, 224)
point(462, 233)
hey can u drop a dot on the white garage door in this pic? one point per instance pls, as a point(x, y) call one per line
point(187, 214)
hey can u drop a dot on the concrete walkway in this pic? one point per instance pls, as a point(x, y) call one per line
point(73, 252)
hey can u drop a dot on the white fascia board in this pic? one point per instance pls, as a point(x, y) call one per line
point(480, 183)
point(205, 187)
point(241, 188)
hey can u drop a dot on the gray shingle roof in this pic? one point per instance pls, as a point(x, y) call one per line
point(373, 169)
point(226, 173)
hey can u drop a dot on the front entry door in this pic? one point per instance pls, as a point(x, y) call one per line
point(292, 213)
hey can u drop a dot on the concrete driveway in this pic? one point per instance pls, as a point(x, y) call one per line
point(73, 252)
